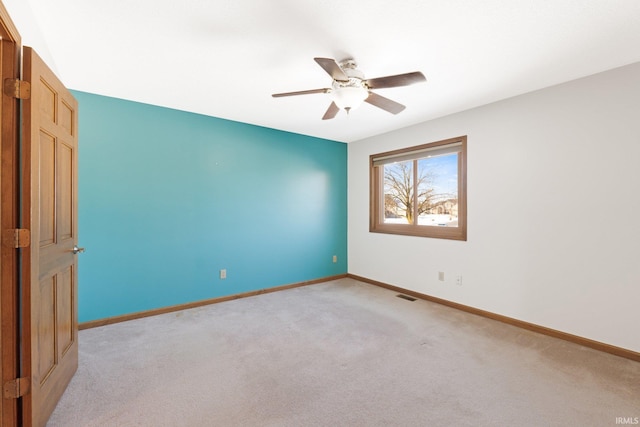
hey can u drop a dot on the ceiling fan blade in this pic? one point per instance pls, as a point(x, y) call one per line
point(331, 111)
point(385, 103)
point(332, 68)
point(300, 92)
point(397, 80)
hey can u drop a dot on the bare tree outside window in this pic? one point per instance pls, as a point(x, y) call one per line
point(399, 190)
point(436, 199)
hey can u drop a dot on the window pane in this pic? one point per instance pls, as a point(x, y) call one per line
point(398, 193)
point(438, 191)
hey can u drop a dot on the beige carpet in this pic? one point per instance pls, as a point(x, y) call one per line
point(340, 353)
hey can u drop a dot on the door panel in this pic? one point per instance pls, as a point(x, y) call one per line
point(47, 189)
point(65, 315)
point(45, 348)
point(65, 193)
point(50, 145)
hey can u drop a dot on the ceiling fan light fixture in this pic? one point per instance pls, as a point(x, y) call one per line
point(349, 97)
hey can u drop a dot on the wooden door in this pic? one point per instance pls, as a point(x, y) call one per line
point(50, 143)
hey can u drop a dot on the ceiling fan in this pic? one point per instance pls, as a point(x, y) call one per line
point(349, 87)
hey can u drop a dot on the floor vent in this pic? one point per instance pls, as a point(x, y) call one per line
point(407, 297)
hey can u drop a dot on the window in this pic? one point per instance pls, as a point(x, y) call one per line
point(421, 191)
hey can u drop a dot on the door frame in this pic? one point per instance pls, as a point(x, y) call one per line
point(10, 48)
point(10, 369)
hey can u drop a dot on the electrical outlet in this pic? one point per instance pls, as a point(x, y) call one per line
point(459, 280)
point(335, 258)
point(441, 276)
point(223, 273)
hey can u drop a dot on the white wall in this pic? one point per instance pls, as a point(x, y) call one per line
point(553, 210)
point(26, 23)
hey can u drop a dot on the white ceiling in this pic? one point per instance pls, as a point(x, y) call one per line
point(225, 58)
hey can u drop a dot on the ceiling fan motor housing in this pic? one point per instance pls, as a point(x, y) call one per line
point(350, 68)
point(348, 94)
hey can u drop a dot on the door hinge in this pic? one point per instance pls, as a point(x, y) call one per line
point(17, 88)
point(16, 388)
point(17, 238)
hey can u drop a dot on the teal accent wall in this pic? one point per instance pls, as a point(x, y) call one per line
point(168, 198)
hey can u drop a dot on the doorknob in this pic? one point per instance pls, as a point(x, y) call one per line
point(77, 250)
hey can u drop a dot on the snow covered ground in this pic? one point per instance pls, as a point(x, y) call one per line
point(435, 220)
